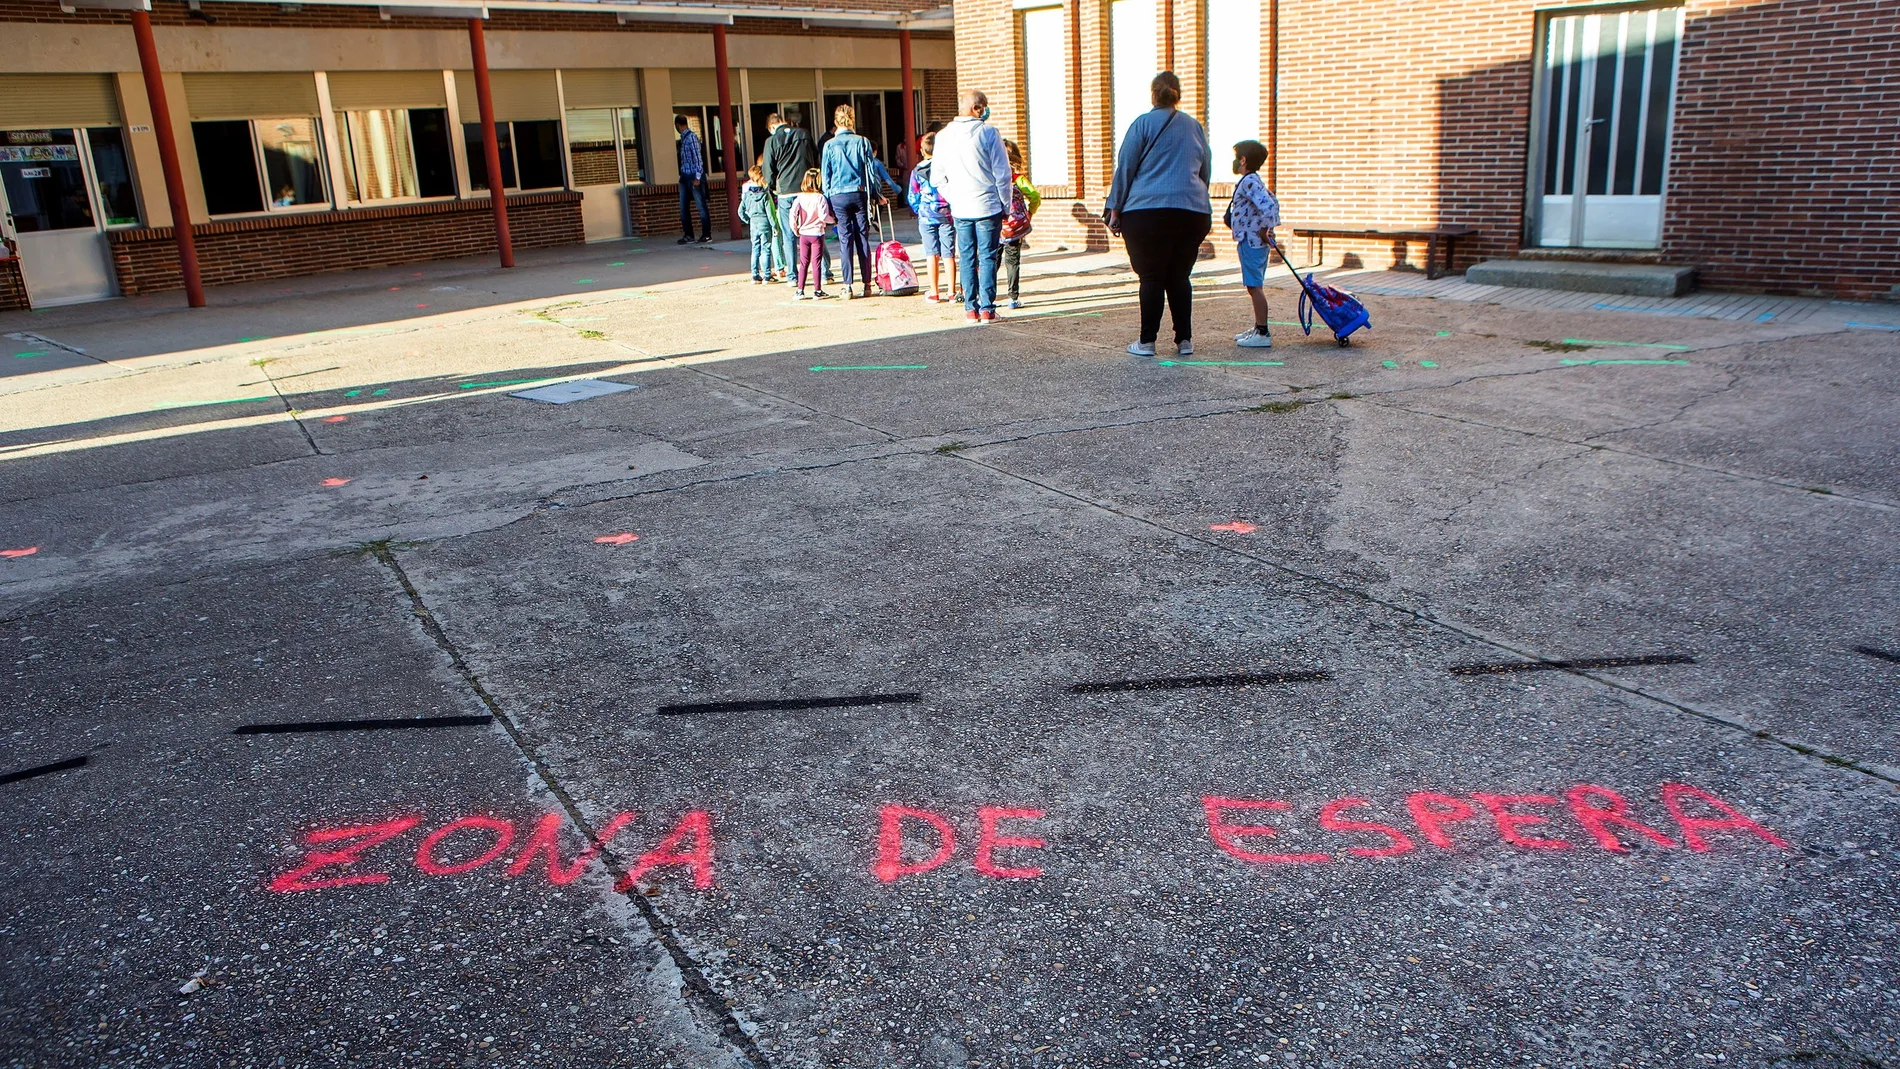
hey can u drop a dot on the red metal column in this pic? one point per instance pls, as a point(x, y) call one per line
point(729, 129)
point(168, 158)
point(491, 148)
point(910, 102)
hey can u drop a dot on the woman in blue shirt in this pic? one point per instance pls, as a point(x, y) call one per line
point(1159, 205)
point(846, 175)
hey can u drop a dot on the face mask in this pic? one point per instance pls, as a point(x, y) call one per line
point(986, 113)
point(1237, 167)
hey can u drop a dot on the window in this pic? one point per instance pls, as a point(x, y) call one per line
point(712, 149)
point(603, 146)
point(1136, 46)
point(1046, 79)
point(796, 112)
point(394, 153)
point(112, 173)
point(254, 165)
point(530, 154)
point(45, 182)
point(1233, 74)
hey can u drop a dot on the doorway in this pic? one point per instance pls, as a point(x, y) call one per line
point(59, 190)
point(1606, 97)
point(880, 118)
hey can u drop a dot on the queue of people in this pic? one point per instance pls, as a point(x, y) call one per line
point(975, 206)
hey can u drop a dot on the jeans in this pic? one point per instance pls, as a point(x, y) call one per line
point(853, 242)
point(1013, 268)
point(1163, 244)
point(791, 240)
point(977, 252)
point(810, 251)
point(765, 247)
point(693, 188)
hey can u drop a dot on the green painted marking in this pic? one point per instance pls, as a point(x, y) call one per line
point(1282, 323)
point(1427, 363)
point(583, 281)
point(247, 339)
point(1589, 363)
point(1393, 364)
point(618, 263)
point(352, 393)
point(31, 352)
point(379, 393)
point(497, 382)
point(1627, 344)
point(1223, 363)
point(201, 404)
point(1444, 334)
point(869, 367)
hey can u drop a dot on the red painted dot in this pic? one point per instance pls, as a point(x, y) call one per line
point(620, 539)
point(1238, 527)
point(336, 482)
point(335, 419)
point(25, 552)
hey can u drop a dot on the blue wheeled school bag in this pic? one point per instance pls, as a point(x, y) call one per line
point(1335, 307)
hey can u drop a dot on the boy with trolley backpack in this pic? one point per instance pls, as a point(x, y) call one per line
point(1251, 215)
point(934, 225)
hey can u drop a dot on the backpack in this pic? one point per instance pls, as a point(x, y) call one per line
point(926, 201)
point(1016, 222)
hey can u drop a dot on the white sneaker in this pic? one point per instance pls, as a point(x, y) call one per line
point(1253, 339)
point(1185, 347)
point(1141, 348)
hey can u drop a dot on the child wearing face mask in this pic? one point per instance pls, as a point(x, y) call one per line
point(1252, 215)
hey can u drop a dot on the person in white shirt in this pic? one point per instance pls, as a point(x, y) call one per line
point(971, 169)
point(1252, 215)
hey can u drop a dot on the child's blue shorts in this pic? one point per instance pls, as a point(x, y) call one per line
point(1253, 265)
point(940, 239)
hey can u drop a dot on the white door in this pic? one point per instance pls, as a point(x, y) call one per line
point(1607, 88)
point(51, 211)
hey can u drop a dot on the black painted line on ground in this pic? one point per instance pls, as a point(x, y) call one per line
point(42, 770)
point(1239, 679)
point(1878, 654)
point(1583, 664)
point(376, 724)
point(711, 1002)
point(774, 705)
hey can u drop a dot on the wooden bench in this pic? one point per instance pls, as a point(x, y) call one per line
point(1432, 236)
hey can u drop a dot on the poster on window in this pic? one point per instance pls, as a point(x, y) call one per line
point(39, 153)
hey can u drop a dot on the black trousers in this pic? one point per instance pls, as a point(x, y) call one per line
point(1163, 244)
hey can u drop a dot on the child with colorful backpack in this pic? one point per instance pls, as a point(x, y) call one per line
point(1023, 202)
point(1251, 215)
point(934, 225)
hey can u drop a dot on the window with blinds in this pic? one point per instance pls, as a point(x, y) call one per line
point(58, 100)
point(262, 95)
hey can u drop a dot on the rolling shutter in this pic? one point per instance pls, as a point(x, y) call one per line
point(58, 100)
point(371, 90)
point(251, 96)
point(699, 86)
point(777, 84)
point(863, 78)
point(518, 95)
point(600, 88)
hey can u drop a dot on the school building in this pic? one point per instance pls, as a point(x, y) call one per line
point(305, 137)
point(1755, 141)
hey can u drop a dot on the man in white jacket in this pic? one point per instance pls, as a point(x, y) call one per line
point(971, 170)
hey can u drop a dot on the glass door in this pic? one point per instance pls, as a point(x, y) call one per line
point(1607, 94)
point(51, 211)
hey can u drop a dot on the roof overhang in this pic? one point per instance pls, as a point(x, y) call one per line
point(939, 18)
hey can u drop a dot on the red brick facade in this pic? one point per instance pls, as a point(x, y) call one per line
point(12, 286)
point(653, 211)
point(282, 246)
point(1784, 174)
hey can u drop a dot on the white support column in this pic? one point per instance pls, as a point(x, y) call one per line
point(332, 142)
point(458, 145)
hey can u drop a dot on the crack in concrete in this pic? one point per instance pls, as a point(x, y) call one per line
point(1500, 483)
point(1463, 631)
point(290, 412)
point(697, 984)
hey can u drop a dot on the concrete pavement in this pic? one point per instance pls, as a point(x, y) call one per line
point(1516, 687)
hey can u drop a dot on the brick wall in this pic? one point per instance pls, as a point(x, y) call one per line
point(282, 246)
point(1784, 173)
point(654, 211)
point(940, 96)
point(12, 286)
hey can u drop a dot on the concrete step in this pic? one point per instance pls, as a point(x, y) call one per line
point(1636, 280)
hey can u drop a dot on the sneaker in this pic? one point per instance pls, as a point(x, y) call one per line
point(971, 315)
point(849, 295)
point(989, 316)
point(684, 241)
point(1141, 348)
point(933, 298)
point(1014, 303)
point(758, 282)
point(821, 295)
point(1253, 339)
point(1185, 347)
point(705, 239)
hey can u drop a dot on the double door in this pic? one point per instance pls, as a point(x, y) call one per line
point(60, 189)
point(1606, 88)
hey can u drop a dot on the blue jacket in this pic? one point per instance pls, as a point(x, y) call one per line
point(752, 204)
point(846, 164)
point(1172, 174)
point(926, 203)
